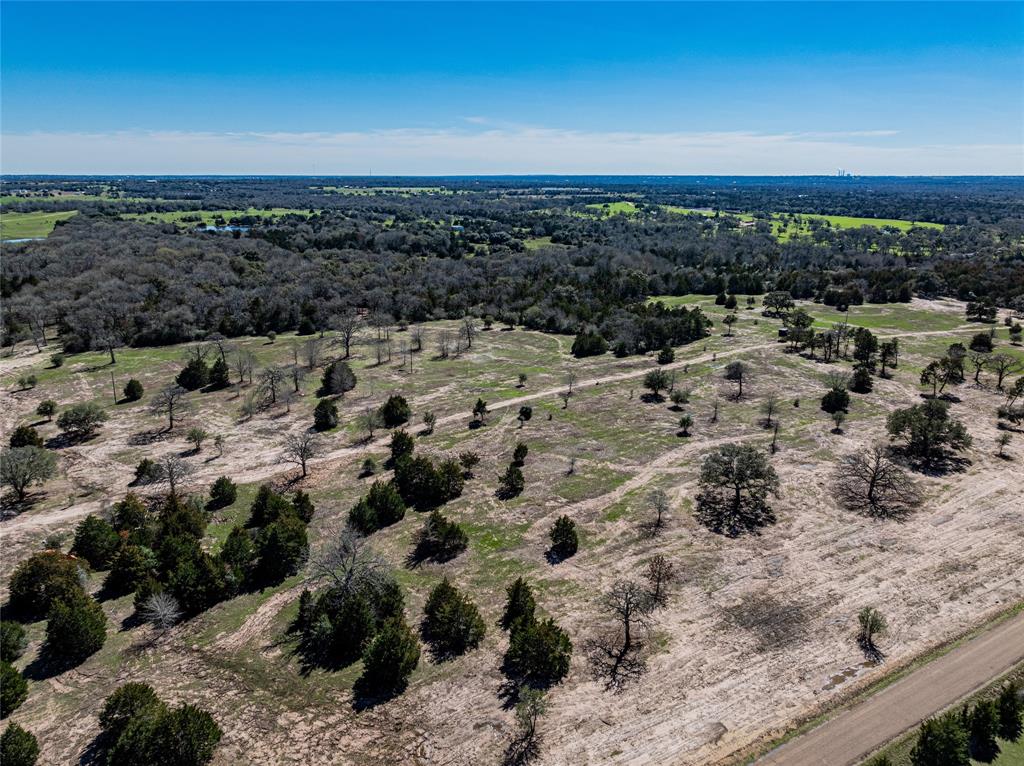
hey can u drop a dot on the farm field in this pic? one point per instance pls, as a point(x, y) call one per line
point(757, 633)
point(30, 225)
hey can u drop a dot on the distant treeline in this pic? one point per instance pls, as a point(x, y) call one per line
point(484, 251)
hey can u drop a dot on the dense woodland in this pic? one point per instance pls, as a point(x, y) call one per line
point(481, 247)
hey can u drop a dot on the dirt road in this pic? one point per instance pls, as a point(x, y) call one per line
point(855, 732)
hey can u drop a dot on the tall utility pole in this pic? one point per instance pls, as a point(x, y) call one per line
point(113, 386)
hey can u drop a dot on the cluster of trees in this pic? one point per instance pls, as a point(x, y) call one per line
point(358, 612)
point(51, 584)
point(137, 727)
point(972, 732)
point(539, 651)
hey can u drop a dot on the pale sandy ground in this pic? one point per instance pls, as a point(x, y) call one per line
point(713, 689)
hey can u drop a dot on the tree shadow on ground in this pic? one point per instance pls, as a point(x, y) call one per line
point(365, 697)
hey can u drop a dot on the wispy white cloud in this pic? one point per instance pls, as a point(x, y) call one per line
point(488, 149)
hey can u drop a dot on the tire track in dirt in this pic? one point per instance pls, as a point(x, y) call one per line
point(258, 621)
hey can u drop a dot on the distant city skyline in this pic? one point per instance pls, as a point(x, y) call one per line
point(529, 88)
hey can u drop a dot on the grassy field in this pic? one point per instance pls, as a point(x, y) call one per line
point(786, 226)
point(29, 225)
point(536, 243)
point(876, 317)
point(402, 191)
point(211, 217)
point(622, 207)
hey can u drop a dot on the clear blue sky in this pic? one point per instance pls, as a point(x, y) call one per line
point(425, 88)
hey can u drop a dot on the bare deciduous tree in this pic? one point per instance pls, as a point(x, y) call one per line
point(271, 380)
point(872, 623)
point(369, 420)
point(346, 324)
point(444, 343)
point(658, 500)
point(161, 610)
point(660, 574)
point(874, 485)
point(468, 330)
point(313, 352)
point(525, 745)
point(300, 449)
point(616, 656)
point(170, 401)
point(172, 472)
point(570, 381)
point(416, 337)
point(243, 363)
point(347, 562)
point(769, 408)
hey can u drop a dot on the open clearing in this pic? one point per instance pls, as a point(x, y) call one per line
point(718, 685)
point(30, 225)
point(785, 226)
point(212, 217)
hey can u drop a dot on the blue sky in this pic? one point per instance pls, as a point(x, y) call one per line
point(430, 88)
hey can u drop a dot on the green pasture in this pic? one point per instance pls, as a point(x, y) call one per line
point(28, 225)
point(212, 217)
point(622, 207)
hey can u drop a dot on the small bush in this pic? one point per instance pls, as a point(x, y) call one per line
point(26, 436)
point(395, 411)
point(519, 454)
point(194, 376)
point(147, 472)
point(451, 622)
point(325, 415)
point(441, 539)
point(133, 390)
point(401, 445)
point(222, 494)
point(835, 400)
point(80, 421)
point(589, 344)
point(13, 688)
point(564, 540)
point(41, 579)
point(511, 483)
point(390, 657)
point(382, 506)
point(125, 703)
